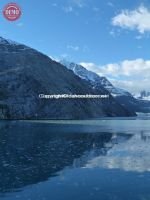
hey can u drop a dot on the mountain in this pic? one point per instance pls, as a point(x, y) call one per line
point(122, 96)
point(143, 95)
point(95, 80)
point(25, 73)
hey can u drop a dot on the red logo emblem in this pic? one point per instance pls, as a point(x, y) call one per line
point(12, 12)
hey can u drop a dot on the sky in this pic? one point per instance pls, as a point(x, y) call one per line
point(109, 37)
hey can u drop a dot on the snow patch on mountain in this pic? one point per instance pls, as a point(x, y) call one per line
point(7, 41)
point(95, 79)
point(80, 71)
point(143, 95)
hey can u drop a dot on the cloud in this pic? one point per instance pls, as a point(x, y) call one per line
point(55, 58)
point(74, 48)
point(91, 67)
point(137, 19)
point(110, 4)
point(64, 56)
point(20, 24)
point(133, 75)
point(72, 5)
point(138, 37)
point(96, 9)
point(112, 33)
point(139, 47)
point(79, 3)
point(54, 4)
point(68, 9)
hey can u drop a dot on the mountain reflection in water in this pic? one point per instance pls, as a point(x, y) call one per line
point(32, 153)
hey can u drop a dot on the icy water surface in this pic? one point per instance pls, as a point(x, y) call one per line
point(77, 160)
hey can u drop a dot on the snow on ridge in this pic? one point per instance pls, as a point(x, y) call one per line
point(96, 80)
point(13, 42)
point(7, 41)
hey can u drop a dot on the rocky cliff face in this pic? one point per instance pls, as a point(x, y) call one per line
point(25, 73)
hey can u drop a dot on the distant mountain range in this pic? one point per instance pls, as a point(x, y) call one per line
point(25, 73)
point(125, 98)
point(143, 95)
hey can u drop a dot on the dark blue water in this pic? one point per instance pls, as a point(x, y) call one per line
point(77, 160)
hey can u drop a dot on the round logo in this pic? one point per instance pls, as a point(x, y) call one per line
point(12, 12)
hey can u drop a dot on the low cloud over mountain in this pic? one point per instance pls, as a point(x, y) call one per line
point(132, 75)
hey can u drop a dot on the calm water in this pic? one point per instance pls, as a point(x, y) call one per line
point(77, 160)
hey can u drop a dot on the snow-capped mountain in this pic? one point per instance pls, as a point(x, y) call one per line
point(25, 73)
point(143, 95)
point(95, 79)
point(125, 98)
